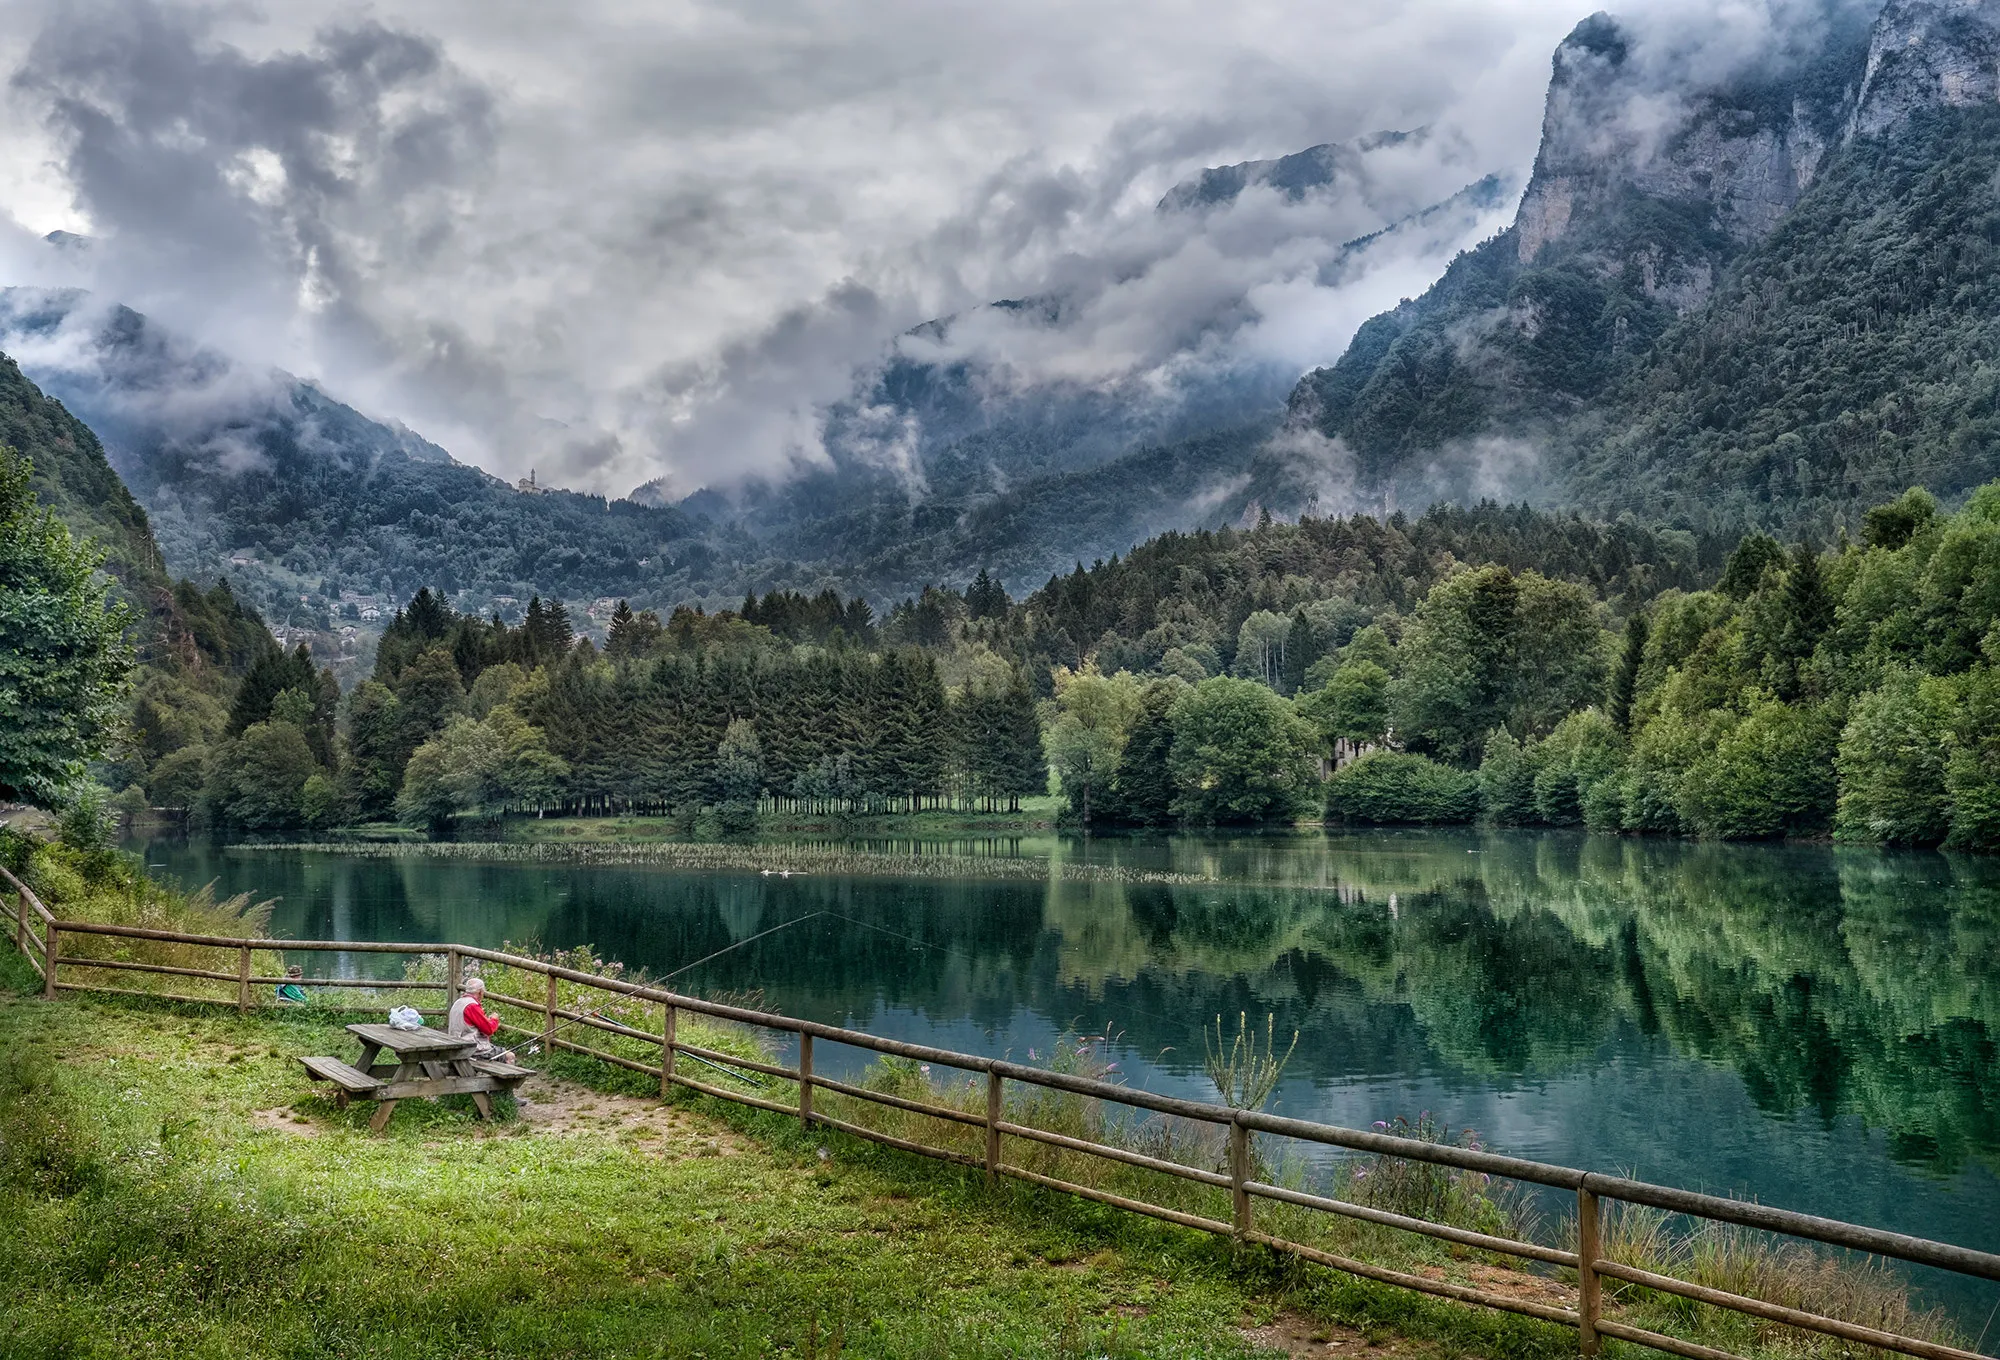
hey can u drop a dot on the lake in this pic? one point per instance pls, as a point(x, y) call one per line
point(1815, 1027)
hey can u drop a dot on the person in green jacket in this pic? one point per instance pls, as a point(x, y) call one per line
point(289, 990)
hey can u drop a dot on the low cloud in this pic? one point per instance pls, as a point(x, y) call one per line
point(617, 241)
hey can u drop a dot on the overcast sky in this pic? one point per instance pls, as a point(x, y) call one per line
point(620, 239)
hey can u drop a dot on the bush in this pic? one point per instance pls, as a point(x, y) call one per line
point(1389, 787)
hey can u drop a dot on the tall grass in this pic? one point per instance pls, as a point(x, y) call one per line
point(110, 887)
point(759, 857)
point(1777, 1270)
point(1243, 1074)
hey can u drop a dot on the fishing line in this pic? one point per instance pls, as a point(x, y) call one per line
point(969, 959)
point(752, 939)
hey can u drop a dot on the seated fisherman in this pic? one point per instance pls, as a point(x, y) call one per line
point(290, 990)
point(468, 1021)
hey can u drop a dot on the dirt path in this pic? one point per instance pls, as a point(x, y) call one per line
point(552, 1107)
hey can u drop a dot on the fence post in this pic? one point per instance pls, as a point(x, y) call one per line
point(51, 950)
point(21, 921)
point(549, 1018)
point(1589, 1289)
point(451, 971)
point(243, 980)
point(667, 1051)
point(1239, 1176)
point(805, 1080)
point(993, 1080)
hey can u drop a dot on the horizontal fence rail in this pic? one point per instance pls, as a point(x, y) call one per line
point(39, 934)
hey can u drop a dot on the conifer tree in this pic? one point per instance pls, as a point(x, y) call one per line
point(1625, 682)
point(63, 658)
point(1142, 793)
point(1304, 644)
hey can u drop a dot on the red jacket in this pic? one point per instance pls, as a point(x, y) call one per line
point(466, 1009)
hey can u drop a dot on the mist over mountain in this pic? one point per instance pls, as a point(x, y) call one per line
point(302, 502)
point(1757, 297)
point(1193, 328)
point(1748, 282)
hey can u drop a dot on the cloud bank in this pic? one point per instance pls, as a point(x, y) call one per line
point(619, 241)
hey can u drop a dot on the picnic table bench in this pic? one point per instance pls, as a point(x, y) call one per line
point(427, 1063)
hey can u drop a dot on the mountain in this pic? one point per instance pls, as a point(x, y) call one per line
point(193, 645)
point(1329, 168)
point(1771, 306)
point(969, 443)
point(312, 509)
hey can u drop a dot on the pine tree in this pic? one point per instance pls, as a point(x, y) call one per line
point(1025, 771)
point(1625, 683)
point(1143, 791)
point(270, 675)
point(1305, 644)
point(1807, 614)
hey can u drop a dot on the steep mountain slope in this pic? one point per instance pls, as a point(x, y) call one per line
point(193, 645)
point(300, 498)
point(1776, 310)
point(1620, 231)
point(954, 459)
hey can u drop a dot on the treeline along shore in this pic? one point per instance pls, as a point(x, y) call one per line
point(1495, 663)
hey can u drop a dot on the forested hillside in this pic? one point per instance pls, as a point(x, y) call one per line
point(1524, 669)
point(192, 645)
point(1774, 314)
point(1853, 353)
point(303, 500)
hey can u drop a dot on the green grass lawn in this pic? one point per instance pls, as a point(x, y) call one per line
point(170, 1185)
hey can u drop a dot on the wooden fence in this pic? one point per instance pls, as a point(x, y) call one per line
point(39, 935)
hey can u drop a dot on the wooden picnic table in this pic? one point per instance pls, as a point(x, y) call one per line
point(427, 1063)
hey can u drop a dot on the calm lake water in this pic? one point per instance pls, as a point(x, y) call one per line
point(1815, 1027)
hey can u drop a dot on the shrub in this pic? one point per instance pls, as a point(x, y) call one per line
point(1390, 787)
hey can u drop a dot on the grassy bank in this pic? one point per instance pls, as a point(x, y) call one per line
point(1036, 814)
point(171, 1188)
point(173, 1185)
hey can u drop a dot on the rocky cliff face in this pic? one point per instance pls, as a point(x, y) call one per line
point(1615, 129)
point(1656, 193)
point(1926, 54)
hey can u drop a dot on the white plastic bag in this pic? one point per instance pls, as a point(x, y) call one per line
point(405, 1017)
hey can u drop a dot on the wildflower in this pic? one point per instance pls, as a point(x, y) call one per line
point(1033, 1056)
point(1381, 1123)
point(925, 1069)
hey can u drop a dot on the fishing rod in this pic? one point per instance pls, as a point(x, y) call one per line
point(535, 1049)
point(536, 1046)
point(782, 925)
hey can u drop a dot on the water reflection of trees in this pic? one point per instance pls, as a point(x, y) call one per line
point(1834, 982)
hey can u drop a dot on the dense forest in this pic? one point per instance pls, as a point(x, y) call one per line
point(191, 646)
point(1493, 664)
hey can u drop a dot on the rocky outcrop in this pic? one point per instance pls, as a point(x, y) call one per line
point(1928, 53)
point(1611, 131)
